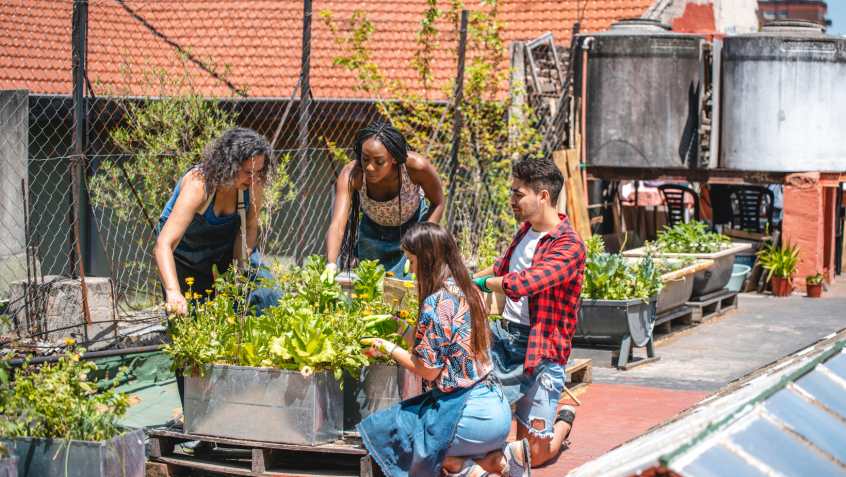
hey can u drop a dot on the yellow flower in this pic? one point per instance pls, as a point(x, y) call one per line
point(366, 313)
point(284, 277)
point(189, 281)
point(326, 310)
point(188, 295)
point(363, 296)
point(353, 295)
point(76, 357)
point(316, 304)
point(408, 285)
point(69, 341)
point(209, 292)
point(396, 300)
point(390, 274)
point(197, 295)
point(404, 314)
point(230, 319)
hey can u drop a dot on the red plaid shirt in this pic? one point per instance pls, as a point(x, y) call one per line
point(554, 285)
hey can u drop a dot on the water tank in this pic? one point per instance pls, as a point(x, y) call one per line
point(643, 95)
point(784, 99)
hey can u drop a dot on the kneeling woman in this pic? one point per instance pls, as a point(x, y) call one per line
point(214, 207)
point(465, 416)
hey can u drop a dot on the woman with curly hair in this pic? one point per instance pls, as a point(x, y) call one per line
point(212, 219)
point(387, 181)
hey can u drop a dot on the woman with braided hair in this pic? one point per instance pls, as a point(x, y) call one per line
point(388, 182)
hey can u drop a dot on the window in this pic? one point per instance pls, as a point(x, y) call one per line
point(769, 15)
point(782, 14)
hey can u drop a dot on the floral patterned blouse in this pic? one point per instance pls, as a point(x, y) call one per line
point(443, 339)
point(387, 213)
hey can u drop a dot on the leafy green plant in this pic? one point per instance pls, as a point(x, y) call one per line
point(488, 250)
point(614, 277)
point(814, 279)
point(689, 238)
point(780, 261)
point(60, 402)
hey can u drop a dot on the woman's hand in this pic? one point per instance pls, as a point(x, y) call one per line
point(377, 347)
point(176, 304)
point(329, 273)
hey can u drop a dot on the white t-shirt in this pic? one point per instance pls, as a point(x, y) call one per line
point(518, 311)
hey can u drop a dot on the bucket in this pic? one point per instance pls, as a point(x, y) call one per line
point(738, 276)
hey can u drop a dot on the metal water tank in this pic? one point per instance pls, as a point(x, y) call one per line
point(784, 99)
point(643, 95)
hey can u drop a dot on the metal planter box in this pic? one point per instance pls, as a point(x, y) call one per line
point(264, 404)
point(379, 387)
point(9, 467)
point(120, 456)
point(624, 323)
point(708, 280)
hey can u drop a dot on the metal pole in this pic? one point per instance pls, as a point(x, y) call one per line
point(457, 119)
point(79, 34)
point(302, 166)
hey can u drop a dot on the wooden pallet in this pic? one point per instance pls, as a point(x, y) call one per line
point(708, 307)
point(671, 323)
point(581, 376)
point(254, 458)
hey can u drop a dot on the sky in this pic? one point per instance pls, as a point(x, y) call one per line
point(837, 13)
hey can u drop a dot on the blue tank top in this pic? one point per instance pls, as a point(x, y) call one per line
point(209, 214)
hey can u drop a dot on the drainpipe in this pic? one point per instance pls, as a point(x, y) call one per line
point(586, 45)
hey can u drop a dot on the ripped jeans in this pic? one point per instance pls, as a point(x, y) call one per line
point(541, 400)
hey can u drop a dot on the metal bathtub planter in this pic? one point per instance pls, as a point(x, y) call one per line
point(120, 456)
point(708, 280)
point(379, 387)
point(624, 323)
point(265, 404)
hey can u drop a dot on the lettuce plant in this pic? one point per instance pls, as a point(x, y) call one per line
point(613, 277)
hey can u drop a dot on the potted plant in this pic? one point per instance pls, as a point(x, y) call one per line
point(781, 262)
point(58, 423)
point(619, 300)
point(814, 284)
point(694, 240)
point(290, 361)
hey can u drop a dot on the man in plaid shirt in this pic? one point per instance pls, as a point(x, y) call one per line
point(541, 274)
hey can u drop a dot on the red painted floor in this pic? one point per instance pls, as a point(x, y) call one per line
point(611, 414)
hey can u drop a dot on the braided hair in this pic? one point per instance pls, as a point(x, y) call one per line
point(398, 148)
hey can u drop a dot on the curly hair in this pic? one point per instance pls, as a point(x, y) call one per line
point(223, 157)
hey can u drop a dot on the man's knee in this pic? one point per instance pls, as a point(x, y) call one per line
point(539, 424)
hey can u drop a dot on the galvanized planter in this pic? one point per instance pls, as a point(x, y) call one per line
point(379, 387)
point(708, 280)
point(674, 294)
point(9, 467)
point(120, 456)
point(264, 404)
point(624, 323)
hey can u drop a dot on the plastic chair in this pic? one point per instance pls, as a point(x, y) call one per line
point(749, 202)
point(674, 197)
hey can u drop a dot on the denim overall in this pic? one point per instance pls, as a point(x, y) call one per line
point(382, 242)
point(412, 438)
point(208, 241)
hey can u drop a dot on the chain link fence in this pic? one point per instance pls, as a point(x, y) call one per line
point(106, 104)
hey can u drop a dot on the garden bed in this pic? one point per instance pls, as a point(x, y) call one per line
point(120, 456)
point(624, 323)
point(380, 386)
point(265, 404)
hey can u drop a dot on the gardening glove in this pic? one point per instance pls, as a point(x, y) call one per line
point(377, 347)
point(383, 325)
point(329, 273)
point(480, 282)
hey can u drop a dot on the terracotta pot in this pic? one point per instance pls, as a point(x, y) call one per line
point(782, 286)
point(814, 289)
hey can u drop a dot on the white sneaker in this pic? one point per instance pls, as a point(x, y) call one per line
point(515, 466)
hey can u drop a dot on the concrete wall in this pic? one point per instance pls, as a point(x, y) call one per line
point(14, 137)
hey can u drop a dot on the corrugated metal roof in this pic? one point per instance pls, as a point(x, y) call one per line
point(788, 418)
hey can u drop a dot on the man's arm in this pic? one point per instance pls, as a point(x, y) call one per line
point(485, 272)
point(563, 262)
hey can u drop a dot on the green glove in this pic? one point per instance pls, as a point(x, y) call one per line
point(383, 325)
point(481, 283)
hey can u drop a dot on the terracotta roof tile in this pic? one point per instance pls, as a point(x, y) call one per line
point(261, 40)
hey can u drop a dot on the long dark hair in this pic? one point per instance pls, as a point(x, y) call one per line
point(437, 260)
point(398, 148)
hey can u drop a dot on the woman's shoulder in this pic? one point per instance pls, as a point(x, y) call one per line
point(416, 163)
point(351, 171)
point(194, 182)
